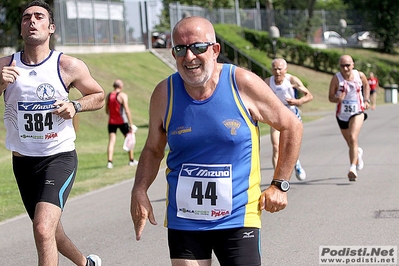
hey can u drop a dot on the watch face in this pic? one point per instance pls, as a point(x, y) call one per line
point(285, 185)
point(77, 106)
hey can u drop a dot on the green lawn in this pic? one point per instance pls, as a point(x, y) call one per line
point(140, 73)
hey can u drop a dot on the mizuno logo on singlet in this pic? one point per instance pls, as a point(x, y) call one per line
point(204, 172)
point(190, 171)
point(198, 170)
point(25, 106)
point(35, 106)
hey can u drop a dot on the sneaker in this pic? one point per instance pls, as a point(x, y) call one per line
point(93, 260)
point(133, 163)
point(352, 175)
point(110, 165)
point(299, 171)
point(360, 163)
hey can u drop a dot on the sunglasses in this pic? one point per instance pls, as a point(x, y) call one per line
point(346, 65)
point(195, 48)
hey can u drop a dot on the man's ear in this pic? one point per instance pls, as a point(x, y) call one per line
point(216, 50)
point(52, 28)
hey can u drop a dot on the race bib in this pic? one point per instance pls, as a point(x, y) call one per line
point(349, 108)
point(36, 123)
point(204, 192)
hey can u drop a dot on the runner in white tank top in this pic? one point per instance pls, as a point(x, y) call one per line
point(286, 88)
point(350, 89)
point(40, 134)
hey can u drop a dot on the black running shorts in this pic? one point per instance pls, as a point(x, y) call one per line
point(45, 179)
point(345, 124)
point(124, 128)
point(232, 247)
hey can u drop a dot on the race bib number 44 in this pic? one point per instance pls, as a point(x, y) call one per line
point(204, 192)
point(36, 123)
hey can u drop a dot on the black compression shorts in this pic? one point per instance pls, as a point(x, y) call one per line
point(45, 179)
point(124, 128)
point(232, 247)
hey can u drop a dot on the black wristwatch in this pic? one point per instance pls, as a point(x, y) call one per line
point(77, 106)
point(283, 185)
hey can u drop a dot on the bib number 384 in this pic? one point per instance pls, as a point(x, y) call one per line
point(204, 192)
point(36, 123)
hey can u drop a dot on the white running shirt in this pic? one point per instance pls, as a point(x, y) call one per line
point(32, 130)
point(353, 101)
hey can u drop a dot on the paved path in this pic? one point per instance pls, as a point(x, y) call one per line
point(326, 209)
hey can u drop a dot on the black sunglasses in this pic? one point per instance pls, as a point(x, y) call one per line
point(196, 48)
point(346, 65)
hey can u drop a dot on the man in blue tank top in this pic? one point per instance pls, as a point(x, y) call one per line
point(40, 134)
point(208, 114)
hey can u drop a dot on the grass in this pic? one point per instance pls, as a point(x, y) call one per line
point(140, 73)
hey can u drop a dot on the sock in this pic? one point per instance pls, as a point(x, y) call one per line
point(353, 168)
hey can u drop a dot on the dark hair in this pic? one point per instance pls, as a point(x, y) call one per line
point(43, 5)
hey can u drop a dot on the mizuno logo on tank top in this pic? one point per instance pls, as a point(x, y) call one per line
point(211, 171)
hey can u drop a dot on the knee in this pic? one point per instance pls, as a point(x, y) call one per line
point(43, 231)
point(352, 139)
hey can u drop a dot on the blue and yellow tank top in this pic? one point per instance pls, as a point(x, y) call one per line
point(213, 166)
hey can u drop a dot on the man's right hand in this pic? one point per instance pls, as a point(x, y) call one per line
point(140, 210)
point(8, 75)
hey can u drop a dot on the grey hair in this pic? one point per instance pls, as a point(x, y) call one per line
point(280, 59)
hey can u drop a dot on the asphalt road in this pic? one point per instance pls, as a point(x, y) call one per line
point(324, 210)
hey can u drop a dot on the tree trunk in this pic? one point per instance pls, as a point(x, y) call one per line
point(269, 13)
point(309, 20)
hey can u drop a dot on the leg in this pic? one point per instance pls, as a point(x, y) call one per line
point(125, 128)
point(351, 136)
point(275, 139)
point(131, 155)
point(373, 99)
point(190, 248)
point(45, 223)
point(67, 248)
point(183, 262)
point(51, 238)
point(111, 145)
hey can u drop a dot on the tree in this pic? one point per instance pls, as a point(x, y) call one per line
point(310, 6)
point(10, 27)
point(383, 16)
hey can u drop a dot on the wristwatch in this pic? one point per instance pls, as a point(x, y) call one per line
point(283, 185)
point(367, 100)
point(77, 106)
